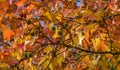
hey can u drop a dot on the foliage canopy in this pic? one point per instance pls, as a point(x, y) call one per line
point(60, 34)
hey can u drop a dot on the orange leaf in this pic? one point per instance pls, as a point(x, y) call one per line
point(4, 7)
point(7, 33)
point(20, 2)
point(102, 45)
point(30, 8)
point(87, 36)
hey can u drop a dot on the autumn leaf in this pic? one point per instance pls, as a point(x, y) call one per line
point(30, 8)
point(48, 15)
point(80, 37)
point(7, 33)
point(59, 17)
point(20, 2)
point(112, 6)
point(87, 36)
point(48, 49)
point(3, 6)
point(4, 66)
point(12, 62)
point(87, 12)
point(96, 43)
point(2, 1)
point(103, 46)
point(56, 34)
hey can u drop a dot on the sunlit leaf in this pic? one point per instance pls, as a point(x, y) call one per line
point(7, 33)
point(87, 12)
point(42, 60)
point(59, 17)
point(3, 66)
point(48, 15)
point(76, 40)
point(81, 37)
point(60, 59)
point(103, 46)
point(56, 34)
point(96, 43)
point(20, 2)
point(87, 36)
point(48, 49)
point(30, 8)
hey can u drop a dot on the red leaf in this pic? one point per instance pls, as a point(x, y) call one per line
point(13, 62)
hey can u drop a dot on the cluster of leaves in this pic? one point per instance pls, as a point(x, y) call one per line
point(59, 34)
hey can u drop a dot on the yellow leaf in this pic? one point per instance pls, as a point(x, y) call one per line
point(51, 66)
point(60, 59)
point(59, 17)
point(87, 12)
point(56, 34)
point(42, 60)
point(98, 14)
point(76, 40)
point(48, 15)
point(48, 49)
point(81, 37)
point(3, 66)
point(96, 43)
point(81, 20)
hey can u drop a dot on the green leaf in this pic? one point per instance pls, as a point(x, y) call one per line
point(29, 21)
point(28, 54)
point(60, 32)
